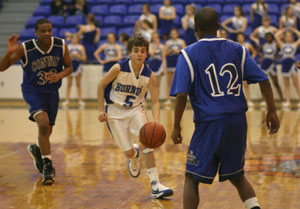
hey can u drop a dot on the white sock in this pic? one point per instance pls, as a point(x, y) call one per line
point(152, 173)
point(46, 156)
point(251, 203)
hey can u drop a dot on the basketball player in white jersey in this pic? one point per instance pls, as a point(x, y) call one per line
point(124, 88)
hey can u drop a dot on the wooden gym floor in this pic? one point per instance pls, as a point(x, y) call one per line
point(92, 171)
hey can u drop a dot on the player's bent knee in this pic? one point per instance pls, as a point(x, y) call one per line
point(147, 150)
point(237, 181)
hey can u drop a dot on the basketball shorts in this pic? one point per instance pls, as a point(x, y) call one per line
point(218, 146)
point(125, 130)
point(42, 102)
point(288, 67)
point(268, 66)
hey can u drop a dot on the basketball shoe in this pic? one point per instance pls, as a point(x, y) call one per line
point(48, 172)
point(159, 190)
point(133, 164)
point(35, 153)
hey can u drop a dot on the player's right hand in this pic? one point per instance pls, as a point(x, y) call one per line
point(176, 135)
point(102, 117)
point(13, 43)
point(272, 122)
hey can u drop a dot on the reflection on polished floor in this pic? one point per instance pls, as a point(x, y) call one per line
point(92, 171)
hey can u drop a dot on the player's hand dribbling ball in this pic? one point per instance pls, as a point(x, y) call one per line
point(152, 134)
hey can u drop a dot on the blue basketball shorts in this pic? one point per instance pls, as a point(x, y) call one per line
point(218, 146)
point(45, 102)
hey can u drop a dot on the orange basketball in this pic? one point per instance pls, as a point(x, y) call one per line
point(152, 134)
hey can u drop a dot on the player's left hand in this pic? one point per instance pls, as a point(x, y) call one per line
point(272, 122)
point(52, 77)
point(176, 135)
point(298, 65)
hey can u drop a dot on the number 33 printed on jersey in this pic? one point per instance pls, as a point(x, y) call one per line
point(232, 87)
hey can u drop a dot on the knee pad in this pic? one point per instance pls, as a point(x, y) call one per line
point(147, 150)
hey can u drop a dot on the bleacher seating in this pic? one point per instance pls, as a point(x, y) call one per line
point(119, 16)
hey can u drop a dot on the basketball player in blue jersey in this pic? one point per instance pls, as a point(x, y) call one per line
point(212, 71)
point(124, 88)
point(45, 61)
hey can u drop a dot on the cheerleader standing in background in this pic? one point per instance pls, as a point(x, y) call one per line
point(288, 19)
point(124, 38)
point(167, 14)
point(268, 64)
point(288, 49)
point(78, 55)
point(238, 21)
point(241, 39)
point(188, 23)
point(112, 53)
point(257, 11)
point(157, 59)
point(258, 35)
point(296, 9)
point(173, 47)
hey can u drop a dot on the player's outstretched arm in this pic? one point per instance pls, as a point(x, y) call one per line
point(154, 98)
point(180, 104)
point(272, 118)
point(109, 77)
point(14, 52)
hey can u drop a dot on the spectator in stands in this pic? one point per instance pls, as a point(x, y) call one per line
point(59, 7)
point(288, 46)
point(242, 40)
point(167, 14)
point(258, 35)
point(257, 11)
point(91, 36)
point(124, 38)
point(288, 19)
point(188, 23)
point(296, 8)
point(157, 59)
point(78, 7)
point(238, 22)
point(77, 53)
point(148, 16)
point(112, 53)
point(222, 33)
point(268, 61)
point(173, 48)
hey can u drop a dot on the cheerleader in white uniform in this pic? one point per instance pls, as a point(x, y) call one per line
point(288, 49)
point(288, 19)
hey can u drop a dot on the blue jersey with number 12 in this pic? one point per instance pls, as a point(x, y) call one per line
point(36, 63)
point(212, 71)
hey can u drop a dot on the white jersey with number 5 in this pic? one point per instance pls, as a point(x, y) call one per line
point(127, 91)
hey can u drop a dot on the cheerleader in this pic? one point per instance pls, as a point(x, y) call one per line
point(188, 23)
point(173, 47)
point(268, 63)
point(238, 22)
point(258, 35)
point(78, 55)
point(112, 53)
point(257, 11)
point(288, 49)
point(157, 59)
point(167, 14)
point(288, 19)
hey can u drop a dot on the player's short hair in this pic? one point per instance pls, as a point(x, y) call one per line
point(207, 20)
point(137, 40)
point(124, 36)
point(40, 22)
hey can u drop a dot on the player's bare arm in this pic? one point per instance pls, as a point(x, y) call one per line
point(272, 118)
point(14, 52)
point(55, 77)
point(180, 104)
point(109, 77)
point(154, 97)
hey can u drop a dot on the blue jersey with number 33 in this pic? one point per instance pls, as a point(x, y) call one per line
point(212, 71)
point(36, 63)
